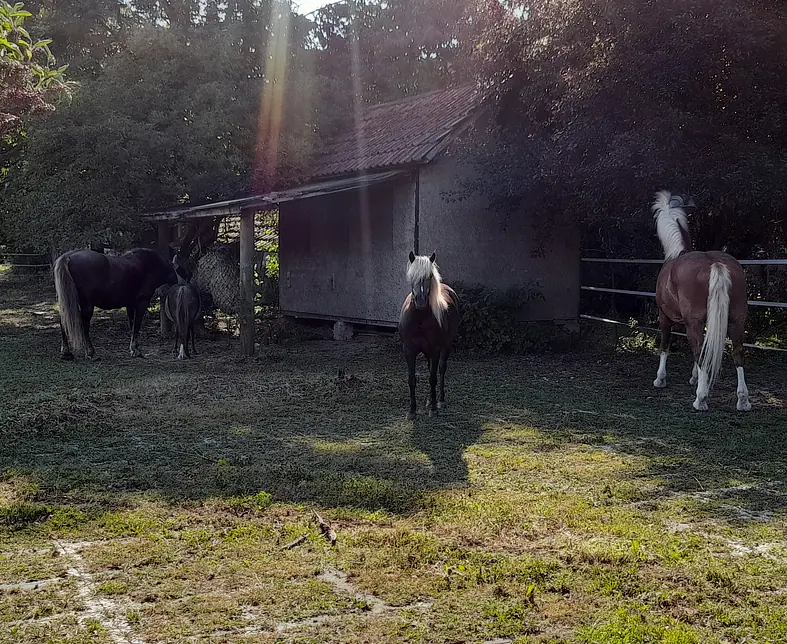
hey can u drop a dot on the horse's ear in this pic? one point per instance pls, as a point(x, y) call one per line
point(412, 257)
point(432, 257)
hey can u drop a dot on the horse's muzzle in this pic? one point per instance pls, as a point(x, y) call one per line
point(420, 301)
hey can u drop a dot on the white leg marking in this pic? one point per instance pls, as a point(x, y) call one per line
point(181, 352)
point(694, 372)
point(744, 404)
point(661, 374)
point(701, 403)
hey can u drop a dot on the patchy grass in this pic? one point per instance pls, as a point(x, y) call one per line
point(558, 499)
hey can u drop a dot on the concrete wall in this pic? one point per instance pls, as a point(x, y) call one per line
point(477, 245)
point(343, 256)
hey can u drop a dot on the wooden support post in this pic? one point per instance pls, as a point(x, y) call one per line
point(247, 282)
point(164, 239)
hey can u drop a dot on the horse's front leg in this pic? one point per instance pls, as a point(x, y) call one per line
point(434, 361)
point(736, 331)
point(410, 357)
point(665, 326)
point(443, 366)
point(139, 309)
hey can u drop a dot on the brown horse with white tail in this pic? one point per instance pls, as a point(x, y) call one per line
point(699, 290)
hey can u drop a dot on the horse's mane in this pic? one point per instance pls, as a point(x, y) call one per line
point(439, 300)
point(672, 225)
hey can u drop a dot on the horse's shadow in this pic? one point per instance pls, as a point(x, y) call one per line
point(444, 441)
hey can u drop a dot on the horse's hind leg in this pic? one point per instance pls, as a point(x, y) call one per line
point(87, 316)
point(665, 326)
point(695, 333)
point(187, 335)
point(443, 365)
point(695, 371)
point(65, 350)
point(139, 313)
point(410, 357)
point(736, 331)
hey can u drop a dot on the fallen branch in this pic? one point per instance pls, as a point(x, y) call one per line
point(294, 542)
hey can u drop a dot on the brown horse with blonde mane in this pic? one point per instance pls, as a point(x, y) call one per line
point(699, 290)
point(428, 324)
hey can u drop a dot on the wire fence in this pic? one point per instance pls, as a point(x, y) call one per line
point(9, 259)
point(652, 294)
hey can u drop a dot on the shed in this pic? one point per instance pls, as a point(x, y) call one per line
point(380, 191)
point(343, 256)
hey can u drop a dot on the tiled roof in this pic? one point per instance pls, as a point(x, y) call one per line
point(407, 131)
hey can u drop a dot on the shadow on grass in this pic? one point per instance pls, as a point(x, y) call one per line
point(216, 426)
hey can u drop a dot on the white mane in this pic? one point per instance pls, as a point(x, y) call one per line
point(671, 223)
point(422, 268)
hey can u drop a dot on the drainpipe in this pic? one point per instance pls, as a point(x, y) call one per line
point(417, 211)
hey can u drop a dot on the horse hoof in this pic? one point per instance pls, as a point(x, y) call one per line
point(700, 405)
point(66, 356)
point(743, 405)
point(433, 413)
point(95, 358)
point(659, 383)
point(441, 405)
point(411, 415)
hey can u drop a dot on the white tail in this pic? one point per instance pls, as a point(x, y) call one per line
point(719, 284)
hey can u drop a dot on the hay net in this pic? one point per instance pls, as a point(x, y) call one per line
point(218, 276)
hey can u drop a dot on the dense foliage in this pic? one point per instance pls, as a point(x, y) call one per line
point(184, 102)
point(597, 104)
point(602, 102)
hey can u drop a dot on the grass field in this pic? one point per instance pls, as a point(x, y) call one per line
point(559, 498)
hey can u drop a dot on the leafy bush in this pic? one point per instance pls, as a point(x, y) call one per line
point(637, 342)
point(492, 321)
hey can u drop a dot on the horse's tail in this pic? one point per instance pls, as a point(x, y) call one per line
point(68, 303)
point(719, 284)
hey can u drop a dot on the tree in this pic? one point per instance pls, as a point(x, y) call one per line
point(29, 80)
point(170, 120)
point(385, 50)
point(85, 32)
point(602, 102)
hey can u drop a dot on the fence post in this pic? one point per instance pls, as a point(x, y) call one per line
point(247, 282)
point(164, 240)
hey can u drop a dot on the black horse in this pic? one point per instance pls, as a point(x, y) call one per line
point(428, 324)
point(85, 279)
